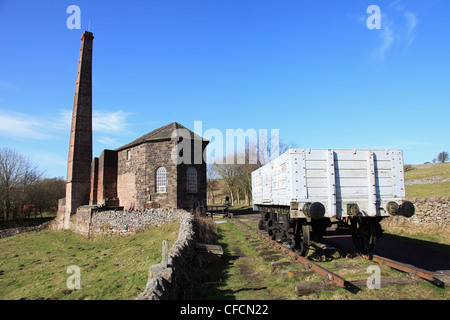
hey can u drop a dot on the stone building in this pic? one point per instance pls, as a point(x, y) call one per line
point(162, 169)
point(145, 173)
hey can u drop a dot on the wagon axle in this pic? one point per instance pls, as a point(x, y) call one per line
point(299, 232)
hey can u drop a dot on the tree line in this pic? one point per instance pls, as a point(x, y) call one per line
point(442, 157)
point(23, 188)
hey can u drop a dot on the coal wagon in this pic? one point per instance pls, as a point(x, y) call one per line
point(304, 193)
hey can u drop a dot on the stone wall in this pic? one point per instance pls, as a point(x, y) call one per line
point(136, 182)
point(187, 200)
point(172, 279)
point(58, 222)
point(130, 176)
point(81, 221)
point(137, 172)
point(435, 211)
point(120, 222)
point(93, 221)
point(13, 231)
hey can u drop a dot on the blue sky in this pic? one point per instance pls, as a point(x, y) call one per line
point(312, 69)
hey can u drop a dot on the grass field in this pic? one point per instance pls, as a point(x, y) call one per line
point(34, 265)
point(422, 171)
point(428, 190)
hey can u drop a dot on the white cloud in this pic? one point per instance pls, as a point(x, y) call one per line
point(108, 141)
point(394, 145)
point(7, 85)
point(23, 126)
point(102, 121)
point(398, 27)
point(412, 22)
point(18, 125)
point(386, 35)
point(109, 122)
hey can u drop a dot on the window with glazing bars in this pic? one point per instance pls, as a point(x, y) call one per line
point(161, 180)
point(191, 180)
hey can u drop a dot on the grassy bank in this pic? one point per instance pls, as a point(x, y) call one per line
point(34, 265)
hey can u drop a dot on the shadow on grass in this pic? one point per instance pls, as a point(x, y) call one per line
point(214, 274)
point(423, 254)
point(31, 222)
point(420, 253)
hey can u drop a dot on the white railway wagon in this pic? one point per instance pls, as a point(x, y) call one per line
point(307, 189)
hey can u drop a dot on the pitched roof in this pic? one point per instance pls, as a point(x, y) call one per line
point(161, 134)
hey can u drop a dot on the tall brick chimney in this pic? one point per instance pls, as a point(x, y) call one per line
point(80, 146)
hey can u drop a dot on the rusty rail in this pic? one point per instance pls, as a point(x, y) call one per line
point(414, 271)
point(328, 275)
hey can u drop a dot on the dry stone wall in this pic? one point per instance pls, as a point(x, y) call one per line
point(93, 221)
point(172, 278)
point(122, 222)
point(431, 211)
point(13, 231)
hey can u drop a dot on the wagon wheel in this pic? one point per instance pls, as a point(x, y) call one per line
point(261, 225)
point(364, 234)
point(272, 229)
point(301, 238)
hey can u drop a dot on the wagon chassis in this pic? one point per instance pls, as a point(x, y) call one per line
point(299, 232)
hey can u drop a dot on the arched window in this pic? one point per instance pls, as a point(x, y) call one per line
point(161, 180)
point(191, 179)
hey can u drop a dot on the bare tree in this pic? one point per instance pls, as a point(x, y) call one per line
point(228, 174)
point(45, 193)
point(211, 183)
point(237, 174)
point(442, 157)
point(17, 174)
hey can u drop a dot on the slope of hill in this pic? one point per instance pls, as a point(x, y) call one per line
point(428, 180)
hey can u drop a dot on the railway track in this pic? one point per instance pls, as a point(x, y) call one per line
point(330, 278)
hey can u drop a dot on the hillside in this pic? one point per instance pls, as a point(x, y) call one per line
point(428, 180)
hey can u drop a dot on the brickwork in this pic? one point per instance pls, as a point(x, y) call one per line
point(80, 145)
point(107, 177)
point(94, 182)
